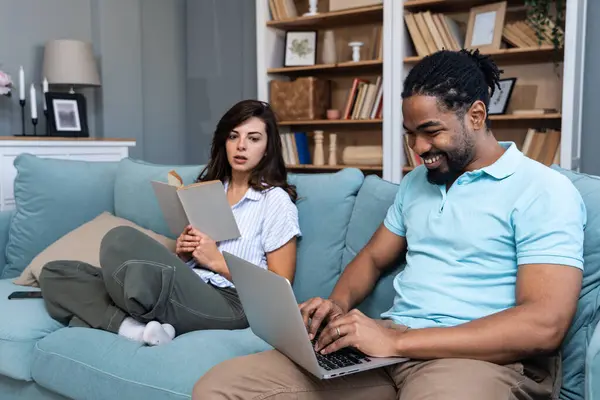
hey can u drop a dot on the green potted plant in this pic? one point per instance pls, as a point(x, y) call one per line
point(547, 17)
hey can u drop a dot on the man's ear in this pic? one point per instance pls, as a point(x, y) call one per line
point(477, 115)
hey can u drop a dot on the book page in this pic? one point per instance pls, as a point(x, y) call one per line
point(208, 210)
point(170, 206)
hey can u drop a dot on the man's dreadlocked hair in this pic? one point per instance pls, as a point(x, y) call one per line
point(456, 78)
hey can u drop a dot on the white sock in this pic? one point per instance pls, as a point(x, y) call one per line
point(154, 334)
point(170, 330)
point(132, 329)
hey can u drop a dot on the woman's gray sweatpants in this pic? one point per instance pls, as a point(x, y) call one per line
point(139, 278)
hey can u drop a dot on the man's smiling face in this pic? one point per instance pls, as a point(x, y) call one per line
point(440, 137)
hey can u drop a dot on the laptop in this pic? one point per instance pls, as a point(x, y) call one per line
point(274, 316)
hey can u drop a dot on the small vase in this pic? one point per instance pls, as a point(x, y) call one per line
point(328, 54)
point(356, 50)
point(312, 7)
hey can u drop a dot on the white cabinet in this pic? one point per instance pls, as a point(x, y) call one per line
point(62, 148)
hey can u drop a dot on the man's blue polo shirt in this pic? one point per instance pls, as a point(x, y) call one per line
point(465, 245)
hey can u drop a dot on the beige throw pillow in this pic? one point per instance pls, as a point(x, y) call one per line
point(82, 244)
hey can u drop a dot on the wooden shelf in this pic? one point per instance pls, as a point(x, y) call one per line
point(349, 66)
point(514, 55)
point(332, 122)
point(523, 117)
point(321, 168)
point(314, 168)
point(448, 5)
point(355, 16)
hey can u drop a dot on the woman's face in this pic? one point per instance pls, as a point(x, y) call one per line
point(246, 145)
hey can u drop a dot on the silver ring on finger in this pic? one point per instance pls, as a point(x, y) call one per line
point(337, 330)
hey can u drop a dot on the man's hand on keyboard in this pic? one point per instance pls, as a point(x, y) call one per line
point(317, 311)
point(361, 332)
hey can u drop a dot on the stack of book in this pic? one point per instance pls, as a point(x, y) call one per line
point(365, 100)
point(522, 34)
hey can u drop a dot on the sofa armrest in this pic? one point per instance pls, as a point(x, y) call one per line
point(592, 366)
point(5, 219)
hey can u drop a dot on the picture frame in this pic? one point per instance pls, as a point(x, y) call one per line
point(501, 97)
point(300, 48)
point(67, 114)
point(485, 26)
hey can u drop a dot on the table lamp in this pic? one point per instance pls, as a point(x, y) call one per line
point(69, 63)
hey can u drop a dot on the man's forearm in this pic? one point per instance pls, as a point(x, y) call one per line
point(505, 337)
point(356, 282)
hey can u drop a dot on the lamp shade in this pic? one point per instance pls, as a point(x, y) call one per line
point(70, 62)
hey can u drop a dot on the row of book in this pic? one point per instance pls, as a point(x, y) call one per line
point(282, 9)
point(365, 99)
point(412, 159)
point(542, 145)
point(295, 148)
point(432, 32)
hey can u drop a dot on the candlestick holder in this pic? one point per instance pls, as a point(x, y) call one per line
point(46, 120)
point(34, 121)
point(22, 104)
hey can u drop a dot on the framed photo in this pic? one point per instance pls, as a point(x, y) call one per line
point(484, 30)
point(300, 48)
point(501, 97)
point(67, 114)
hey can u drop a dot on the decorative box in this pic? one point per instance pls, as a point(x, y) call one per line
point(305, 98)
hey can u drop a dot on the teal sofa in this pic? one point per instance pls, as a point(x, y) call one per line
point(41, 359)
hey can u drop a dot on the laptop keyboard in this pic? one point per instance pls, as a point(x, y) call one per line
point(342, 358)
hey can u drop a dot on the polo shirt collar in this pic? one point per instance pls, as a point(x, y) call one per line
point(507, 164)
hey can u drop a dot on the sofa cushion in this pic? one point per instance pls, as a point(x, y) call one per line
point(5, 220)
point(325, 203)
point(134, 197)
point(372, 203)
point(22, 324)
point(575, 344)
point(82, 244)
point(12, 389)
point(53, 197)
point(107, 366)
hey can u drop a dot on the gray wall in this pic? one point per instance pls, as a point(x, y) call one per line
point(23, 33)
point(221, 66)
point(590, 141)
point(169, 68)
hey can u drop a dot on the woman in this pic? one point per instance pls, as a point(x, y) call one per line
point(145, 292)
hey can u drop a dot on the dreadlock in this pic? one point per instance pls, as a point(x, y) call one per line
point(456, 78)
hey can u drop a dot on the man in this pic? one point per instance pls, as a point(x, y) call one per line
point(493, 268)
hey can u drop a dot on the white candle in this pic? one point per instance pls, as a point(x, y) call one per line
point(21, 83)
point(33, 102)
point(44, 91)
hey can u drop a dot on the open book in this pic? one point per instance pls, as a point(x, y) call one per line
point(203, 205)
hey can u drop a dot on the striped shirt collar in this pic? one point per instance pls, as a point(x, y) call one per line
point(251, 194)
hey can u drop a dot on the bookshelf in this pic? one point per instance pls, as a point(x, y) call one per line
point(545, 79)
point(357, 126)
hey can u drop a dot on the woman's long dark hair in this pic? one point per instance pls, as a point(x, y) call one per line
point(270, 171)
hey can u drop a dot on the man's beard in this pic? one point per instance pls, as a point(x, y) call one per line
point(456, 161)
